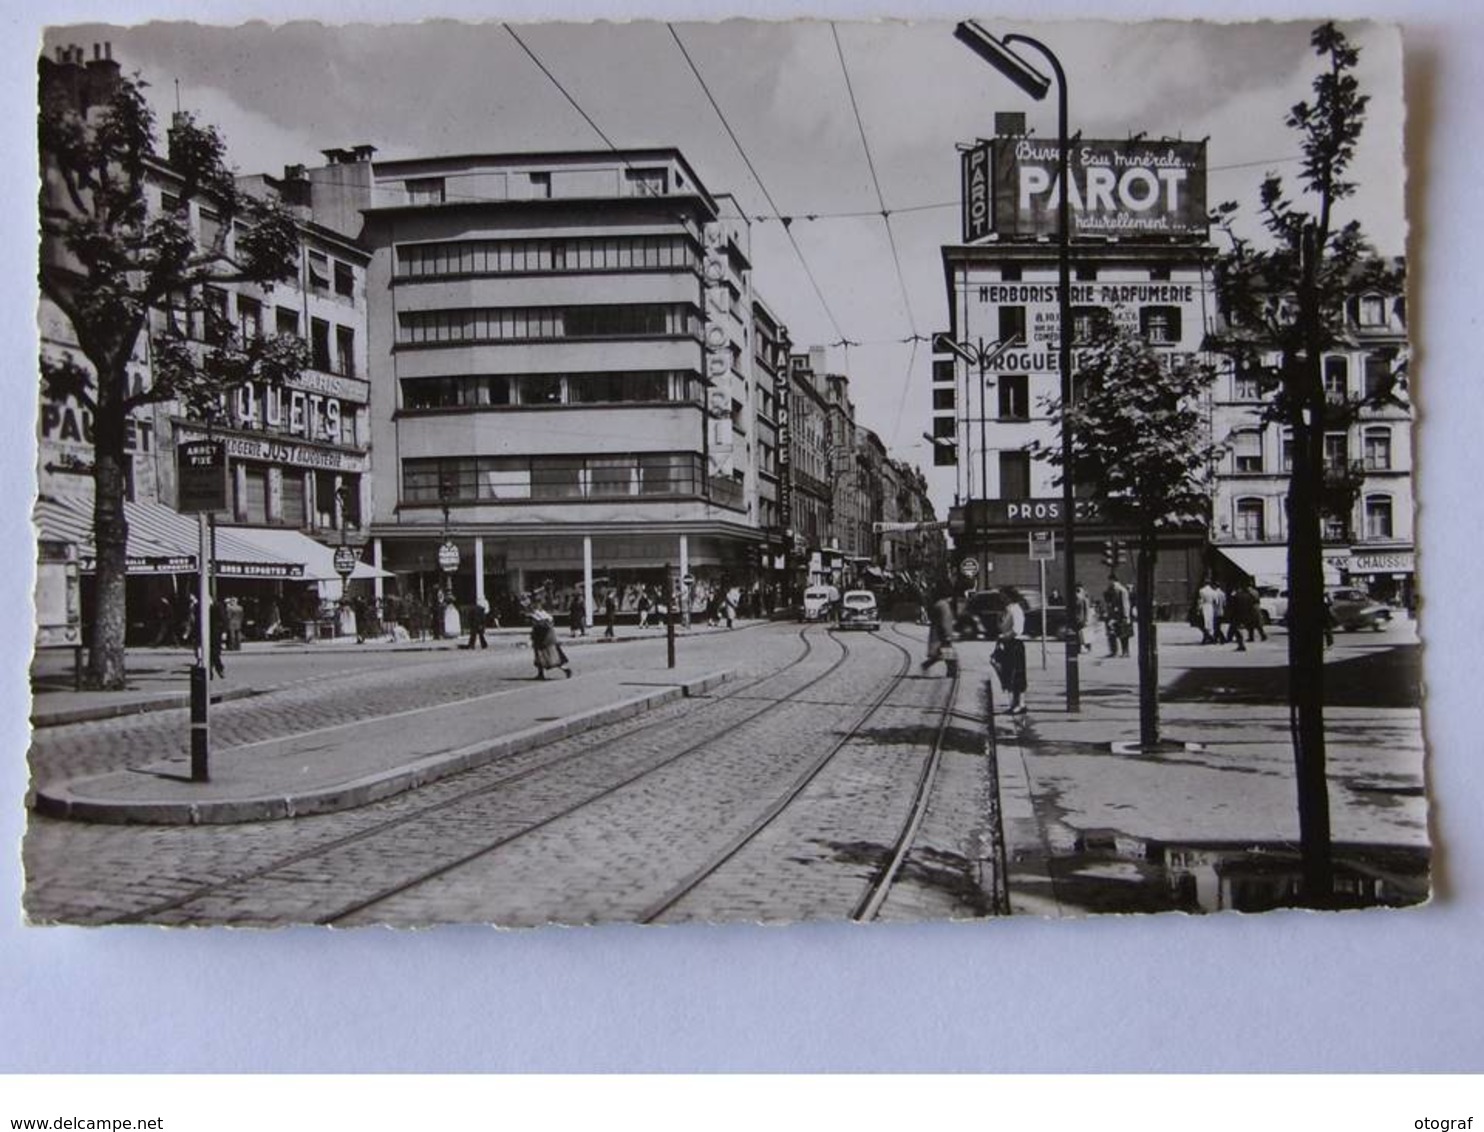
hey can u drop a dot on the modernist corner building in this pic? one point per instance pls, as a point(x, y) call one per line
point(561, 370)
point(1140, 256)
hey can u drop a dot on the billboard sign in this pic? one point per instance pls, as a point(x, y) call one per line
point(975, 167)
point(1129, 189)
point(201, 473)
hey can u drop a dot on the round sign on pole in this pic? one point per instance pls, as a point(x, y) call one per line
point(448, 558)
point(969, 567)
point(688, 580)
point(345, 561)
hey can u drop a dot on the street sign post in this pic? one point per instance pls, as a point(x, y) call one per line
point(1041, 546)
point(345, 562)
point(201, 474)
point(969, 568)
point(448, 557)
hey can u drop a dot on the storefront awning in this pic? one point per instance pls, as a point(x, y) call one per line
point(1265, 565)
point(161, 541)
point(318, 559)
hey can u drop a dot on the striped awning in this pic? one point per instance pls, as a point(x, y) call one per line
point(161, 541)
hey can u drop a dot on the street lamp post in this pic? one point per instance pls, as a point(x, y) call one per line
point(997, 53)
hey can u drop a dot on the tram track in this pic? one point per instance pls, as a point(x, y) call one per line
point(585, 751)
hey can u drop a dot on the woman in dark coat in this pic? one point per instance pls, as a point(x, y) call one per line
point(545, 647)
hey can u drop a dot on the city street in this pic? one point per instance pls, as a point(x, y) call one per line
point(826, 777)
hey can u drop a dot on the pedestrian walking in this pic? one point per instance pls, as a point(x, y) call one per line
point(644, 607)
point(1212, 606)
point(1008, 658)
point(610, 614)
point(546, 648)
point(1082, 618)
point(1242, 611)
point(1326, 620)
point(1119, 610)
point(941, 617)
point(729, 605)
point(478, 612)
point(1254, 625)
point(164, 621)
point(577, 616)
point(217, 623)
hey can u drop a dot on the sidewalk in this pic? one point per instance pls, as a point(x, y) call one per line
point(158, 677)
point(348, 765)
point(1210, 821)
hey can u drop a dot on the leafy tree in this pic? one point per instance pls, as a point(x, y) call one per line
point(1287, 301)
point(109, 259)
point(1140, 440)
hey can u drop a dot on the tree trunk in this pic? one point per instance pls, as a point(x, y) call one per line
point(1148, 643)
point(1306, 629)
point(106, 666)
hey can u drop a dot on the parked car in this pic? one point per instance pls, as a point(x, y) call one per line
point(858, 610)
point(1273, 603)
point(819, 603)
point(1356, 609)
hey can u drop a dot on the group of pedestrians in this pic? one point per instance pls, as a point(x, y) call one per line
point(1008, 657)
point(1226, 618)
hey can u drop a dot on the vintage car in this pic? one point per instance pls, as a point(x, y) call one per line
point(1273, 602)
point(1356, 609)
point(858, 610)
point(819, 603)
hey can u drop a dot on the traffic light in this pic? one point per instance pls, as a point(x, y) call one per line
point(1112, 553)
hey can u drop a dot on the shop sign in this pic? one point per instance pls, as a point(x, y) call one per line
point(1382, 562)
point(345, 561)
point(1129, 189)
point(974, 167)
point(717, 348)
point(257, 569)
point(299, 455)
point(448, 558)
point(141, 564)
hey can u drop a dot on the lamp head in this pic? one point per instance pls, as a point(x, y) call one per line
point(1001, 58)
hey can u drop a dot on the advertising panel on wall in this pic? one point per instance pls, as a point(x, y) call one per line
point(1129, 189)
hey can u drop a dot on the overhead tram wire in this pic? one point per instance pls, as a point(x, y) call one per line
point(542, 68)
point(787, 222)
point(890, 235)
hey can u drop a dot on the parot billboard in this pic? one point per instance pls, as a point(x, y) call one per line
point(1129, 189)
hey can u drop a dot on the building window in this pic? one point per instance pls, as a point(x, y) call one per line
point(1160, 272)
point(1334, 528)
point(1285, 452)
point(1010, 273)
point(216, 324)
point(944, 400)
point(286, 321)
point(425, 190)
point(1378, 378)
point(1087, 322)
point(1012, 324)
point(646, 182)
point(1245, 386)
point(486, 324)
point(944, 372)
point(1336, 380)
point(550, 477)
point(1086, 273)
point(1378, 517)
point(253, 505)
point(1160, 326)
point(319, 344)
point(1372, 311)
point(294, 512)
point(1247, 450)
point(249, 318)
point(345, 280)
point(319, 271)
point(1378, 449)
point(945, 428)
point(1015, 475)
point(1250, 520)
point(1336, 452)
point(211, 231)
point(1014, 395)
point(540, 185)
point(345, 350)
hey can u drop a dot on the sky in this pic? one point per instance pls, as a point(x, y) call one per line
point(282, 92)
